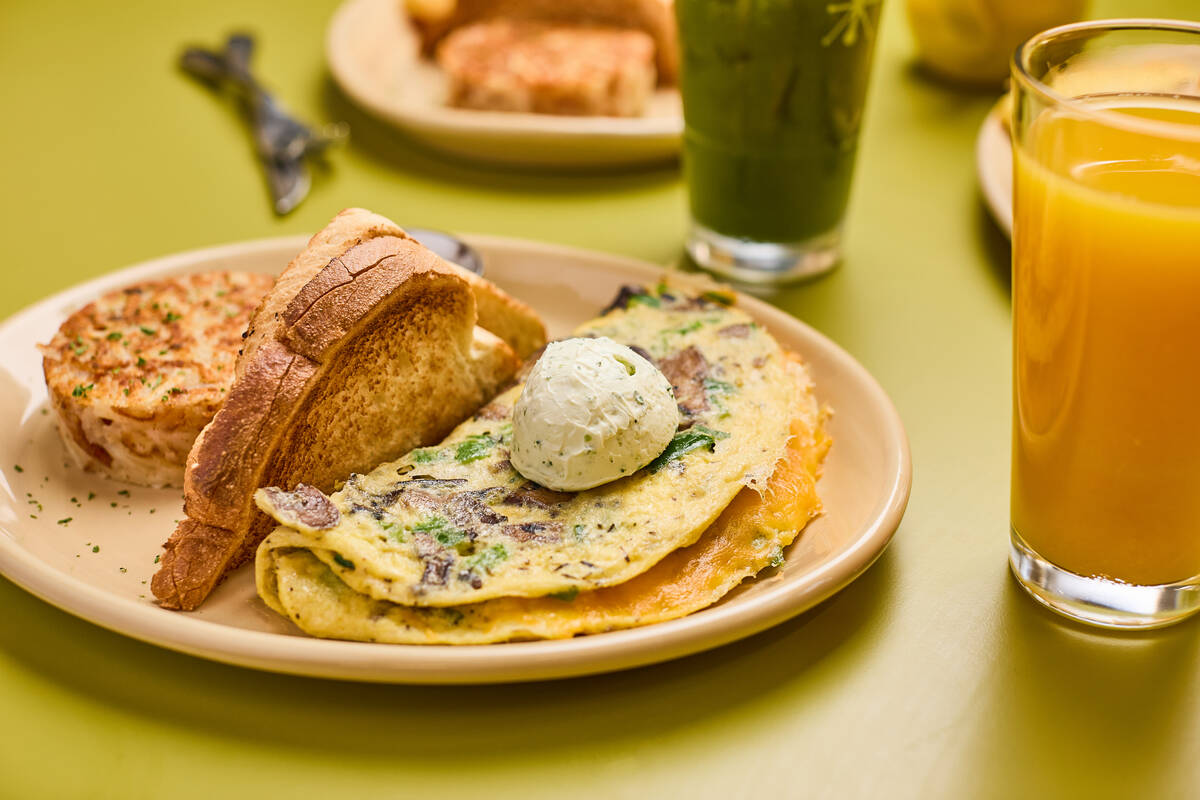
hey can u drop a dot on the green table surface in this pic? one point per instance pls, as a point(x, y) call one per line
point(931, 676)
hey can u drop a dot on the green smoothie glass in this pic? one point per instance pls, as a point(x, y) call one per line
point(773, 95)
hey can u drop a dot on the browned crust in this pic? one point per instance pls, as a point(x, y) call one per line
point(350, 288)
point(502, 314)
point(277, 396)
point(231, 454)
point(654, 17)
point(177, 584)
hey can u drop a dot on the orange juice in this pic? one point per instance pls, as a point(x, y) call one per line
point(1106, 336)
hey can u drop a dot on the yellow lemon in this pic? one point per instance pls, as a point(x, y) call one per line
point(971, 41)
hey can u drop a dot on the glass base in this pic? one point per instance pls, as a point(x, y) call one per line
point(1099, 601)
point(763, 263)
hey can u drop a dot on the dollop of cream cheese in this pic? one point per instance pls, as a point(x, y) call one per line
point(591, 411)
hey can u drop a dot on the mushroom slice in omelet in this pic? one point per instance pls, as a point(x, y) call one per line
point(456, 524)
point(746, 538)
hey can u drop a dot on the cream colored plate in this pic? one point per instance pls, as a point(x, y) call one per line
point(373, 54)
point(97, 566)
point(994, 165)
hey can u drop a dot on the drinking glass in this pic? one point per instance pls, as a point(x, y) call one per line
point(1105, 515)
point(773, 94)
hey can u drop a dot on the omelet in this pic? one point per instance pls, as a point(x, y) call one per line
point(750, 535)
point(456, 524)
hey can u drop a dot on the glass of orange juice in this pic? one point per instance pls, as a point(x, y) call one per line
point(1105, 498)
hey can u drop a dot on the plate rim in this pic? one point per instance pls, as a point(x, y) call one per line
point(448, 664)
point(996, 196)
point(491, 125)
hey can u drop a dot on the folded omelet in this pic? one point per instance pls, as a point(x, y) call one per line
point(450, 544)
point(746, 538)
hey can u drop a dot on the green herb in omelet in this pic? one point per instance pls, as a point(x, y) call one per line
point(395, 531)
point(566, 595)
point(694, 325)
point(717, 391)
point(426, 455)
point(644, 299)
point(451, 615)
point(475, 447)
point(487, 559)
point(720, 298)
point(715, 387)
point(444, 534)
point(685, 442)
point(342, 561)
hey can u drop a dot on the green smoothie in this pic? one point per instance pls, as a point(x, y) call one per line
point(773, 94)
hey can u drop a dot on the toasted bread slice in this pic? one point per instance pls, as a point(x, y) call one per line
point(366, 348)
point(434, 20)
point(548, 68)
point(134, 375)
point(503, 315)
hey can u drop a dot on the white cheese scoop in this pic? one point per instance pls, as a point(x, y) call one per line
point(591, 411)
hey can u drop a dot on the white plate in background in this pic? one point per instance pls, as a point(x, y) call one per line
point(374, 56)
point(994, 165)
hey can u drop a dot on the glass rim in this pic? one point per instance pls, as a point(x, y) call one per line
point(1024, 80)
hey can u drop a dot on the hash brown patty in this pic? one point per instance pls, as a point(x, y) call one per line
point(135, 375)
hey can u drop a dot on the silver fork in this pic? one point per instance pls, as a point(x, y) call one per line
point(282, 142)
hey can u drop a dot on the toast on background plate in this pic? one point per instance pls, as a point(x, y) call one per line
point(547, 68)
point(369, 345)
point(434, 19)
